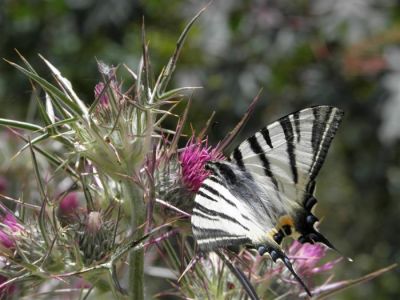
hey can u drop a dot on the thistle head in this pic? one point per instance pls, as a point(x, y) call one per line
point(10, 229)
point(193, 160)
point(308, 256)
point(101, 93)
point(69, 209)
point(95, 237)
point(7, 290)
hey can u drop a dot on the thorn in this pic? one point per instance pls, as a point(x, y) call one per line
point(191, 264)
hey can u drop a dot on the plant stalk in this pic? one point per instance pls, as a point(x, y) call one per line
point(134, 195)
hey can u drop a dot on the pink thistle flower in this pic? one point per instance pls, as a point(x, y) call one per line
point(6, 290)
point(99, 90)
point(307, 256)
point(69, 204)
point(69, 209)
point(6, 241)
point(193, 159)
point(9, 228)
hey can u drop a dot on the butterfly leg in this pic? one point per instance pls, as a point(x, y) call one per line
point(277, 254)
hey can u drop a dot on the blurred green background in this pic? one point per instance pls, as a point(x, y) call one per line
point(344, 53)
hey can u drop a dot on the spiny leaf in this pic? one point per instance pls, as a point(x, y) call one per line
point(51, 89)
point(174, 92)
point(21, 125)
point(68, 86)
point(339, 286)
point(167, 73)
point(42, 214)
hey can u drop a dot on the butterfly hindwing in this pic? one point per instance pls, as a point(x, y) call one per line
point(228, 209)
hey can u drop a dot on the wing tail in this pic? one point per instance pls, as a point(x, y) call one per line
point(277, 254)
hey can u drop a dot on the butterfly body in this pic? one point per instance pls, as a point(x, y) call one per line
point(265, 190)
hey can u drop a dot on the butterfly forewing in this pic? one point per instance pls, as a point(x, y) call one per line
point(289, 153)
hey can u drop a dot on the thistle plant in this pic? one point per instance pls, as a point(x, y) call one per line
point(114, 192)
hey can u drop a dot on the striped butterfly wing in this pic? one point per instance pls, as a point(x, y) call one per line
point(223, 215)
point(230, 210)
point(287, 155)
point(266, 189)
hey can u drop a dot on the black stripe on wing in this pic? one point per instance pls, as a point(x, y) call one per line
point(296, 118)
point(237, 155)
point(291, 148)
point(215, 193)
point(210, 239)
point(256, 148)
point(266, 136)
point(226, 172)
point(217, 214)
point(205, 233)
point(325, 125)
point(198, 213)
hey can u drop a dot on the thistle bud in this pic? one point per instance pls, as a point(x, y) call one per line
point(69, 209)
point(95, 237)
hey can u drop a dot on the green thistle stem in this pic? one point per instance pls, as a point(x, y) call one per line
point(134, 195)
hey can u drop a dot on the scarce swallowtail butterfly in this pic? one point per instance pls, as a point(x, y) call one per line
point(265, 190)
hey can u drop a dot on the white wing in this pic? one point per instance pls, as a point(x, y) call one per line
point(289, 153)
point(224, 216)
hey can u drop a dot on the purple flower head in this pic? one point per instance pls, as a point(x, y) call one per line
point(69, 204)
point(98, 92)
point(69, 209)
point(6, 241)
point(307, 256)
point(193, 159)
point(6, 290)
point(9, 228)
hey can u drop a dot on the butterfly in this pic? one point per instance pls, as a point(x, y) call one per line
point(264, 191)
